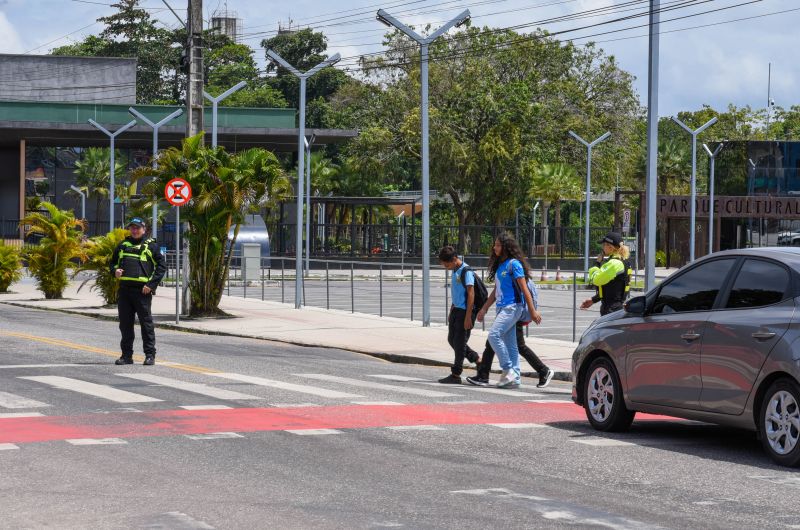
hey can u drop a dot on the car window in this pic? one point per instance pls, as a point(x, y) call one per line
point(694, 290)
point(759, 283)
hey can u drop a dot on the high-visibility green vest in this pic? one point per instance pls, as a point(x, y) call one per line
point(138, 259)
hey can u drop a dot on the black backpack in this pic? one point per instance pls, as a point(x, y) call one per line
point(481, 293)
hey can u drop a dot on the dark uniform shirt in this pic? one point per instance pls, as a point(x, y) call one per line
point(141, 261)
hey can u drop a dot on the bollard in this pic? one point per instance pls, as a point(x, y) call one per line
point(558, 273)
point(543, 277)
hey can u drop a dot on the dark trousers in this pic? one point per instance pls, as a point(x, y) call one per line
point(488, 355)
point(610, 307)
point(457, 337)
point(132, 302)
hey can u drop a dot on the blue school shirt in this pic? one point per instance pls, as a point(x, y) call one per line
point(458, 287)
point(507, 273)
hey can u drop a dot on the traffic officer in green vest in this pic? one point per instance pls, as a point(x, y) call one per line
point(611, 275)
point(140, 266)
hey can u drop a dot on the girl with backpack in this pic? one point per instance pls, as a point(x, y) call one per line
point(509, 269)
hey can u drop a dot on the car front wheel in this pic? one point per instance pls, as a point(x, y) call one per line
point(779, 422)
point(603, 402)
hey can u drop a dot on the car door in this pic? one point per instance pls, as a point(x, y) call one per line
point(739, 336)
point(663, 353)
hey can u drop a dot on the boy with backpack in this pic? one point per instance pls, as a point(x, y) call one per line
point(468, 294)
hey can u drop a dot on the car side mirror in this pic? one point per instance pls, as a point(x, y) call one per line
point(636, 306)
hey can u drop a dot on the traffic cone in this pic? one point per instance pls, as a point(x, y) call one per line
point(543, 278)
point(558, 273)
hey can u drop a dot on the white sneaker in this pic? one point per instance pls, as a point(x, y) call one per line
point(508, 379)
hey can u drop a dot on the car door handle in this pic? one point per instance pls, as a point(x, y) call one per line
point(762, 335)
point(690, 336)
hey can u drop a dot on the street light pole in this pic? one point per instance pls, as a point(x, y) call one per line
point(214, 102)
point(712, 155)
point(589, 147)
point(693, 206)
point(298, 284)
point(79, 191)
point(424, 43)
point(308, 144)
point(112, 137)
point(155, 126)
point(652, 146)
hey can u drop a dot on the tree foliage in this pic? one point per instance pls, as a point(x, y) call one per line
point(225, 187)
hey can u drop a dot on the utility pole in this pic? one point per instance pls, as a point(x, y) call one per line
point(194, 82)
point(652, 148)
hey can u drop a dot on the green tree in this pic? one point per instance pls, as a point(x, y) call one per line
point(59, 250)
point(225, 186)
point(554, 183)
point(93, 174)
point(10, 266)
point(99, 251)
point(304, 49)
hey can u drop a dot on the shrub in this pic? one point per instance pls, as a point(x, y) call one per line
point(661, 258)
point(59, 249)
point(10, 267)
point(99, 251)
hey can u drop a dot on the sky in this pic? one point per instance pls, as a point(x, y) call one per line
point(724, 62)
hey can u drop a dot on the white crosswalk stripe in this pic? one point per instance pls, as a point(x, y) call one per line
point(96, 441)
point(12, 401)
point(91, 389)
point(195, 388)
point(8, 447)
point(282, 385)
point(21, 415)
point(377, 386)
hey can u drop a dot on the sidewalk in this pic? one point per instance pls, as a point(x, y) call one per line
point(393, 339)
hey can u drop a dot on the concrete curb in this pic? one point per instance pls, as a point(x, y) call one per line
point(391, 357)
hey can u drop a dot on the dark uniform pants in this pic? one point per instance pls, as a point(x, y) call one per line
point(457, 337)
point(132, 302)
point(524, 350)
point(610, 308)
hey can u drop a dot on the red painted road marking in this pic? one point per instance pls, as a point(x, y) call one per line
point(177, 422)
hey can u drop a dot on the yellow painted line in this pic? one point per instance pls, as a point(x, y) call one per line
point(103, 351)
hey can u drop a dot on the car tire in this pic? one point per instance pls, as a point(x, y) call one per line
point(779, 422)
point(603, 401)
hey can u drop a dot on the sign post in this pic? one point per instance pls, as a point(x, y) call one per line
point(626, 221)
point(178, 192)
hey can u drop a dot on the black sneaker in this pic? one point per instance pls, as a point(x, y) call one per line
point(149, 360)
point(451, 380)
point(478, 381)
point(544, 379)
point(123, 360)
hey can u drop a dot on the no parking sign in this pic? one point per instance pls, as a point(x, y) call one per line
point(178, 192)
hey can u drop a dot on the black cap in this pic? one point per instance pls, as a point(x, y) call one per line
point(612, 238)
point(138, 221)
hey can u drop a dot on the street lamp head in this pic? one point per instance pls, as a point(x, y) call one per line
point(463, 18)
point(335, 58)
point(382, 19)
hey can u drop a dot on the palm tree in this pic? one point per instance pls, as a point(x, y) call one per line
point(553, 183)
point(10, 266)
point(60, 248)
point(99, 251)
point(224, 187)
point(93, 174)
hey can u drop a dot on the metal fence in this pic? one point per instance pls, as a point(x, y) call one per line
point(389, 289)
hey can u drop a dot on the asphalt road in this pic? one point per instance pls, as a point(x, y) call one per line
point(326, 438)
point(394, 298)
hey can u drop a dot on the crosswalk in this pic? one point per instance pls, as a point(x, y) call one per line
point(40, 394)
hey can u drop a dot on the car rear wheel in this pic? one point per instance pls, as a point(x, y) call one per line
point(779, 422)
point(603, 402)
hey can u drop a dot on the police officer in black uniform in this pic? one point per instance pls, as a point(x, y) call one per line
point(611, 275)
point(140, 266)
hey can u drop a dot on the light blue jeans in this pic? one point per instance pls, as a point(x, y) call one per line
point(503, 336)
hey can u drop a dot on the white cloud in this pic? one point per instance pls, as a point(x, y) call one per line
point(10, 41)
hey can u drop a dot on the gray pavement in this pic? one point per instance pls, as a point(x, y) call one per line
point(394, 339)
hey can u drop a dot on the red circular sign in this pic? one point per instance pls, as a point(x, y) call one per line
point(178, 192)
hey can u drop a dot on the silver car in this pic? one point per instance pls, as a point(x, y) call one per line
point(718, 341)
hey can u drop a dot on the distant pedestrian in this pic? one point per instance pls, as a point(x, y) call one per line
point(510, 270)
point(140, 266)
point(462, 316)
point(611, 275)
point(485, 364)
